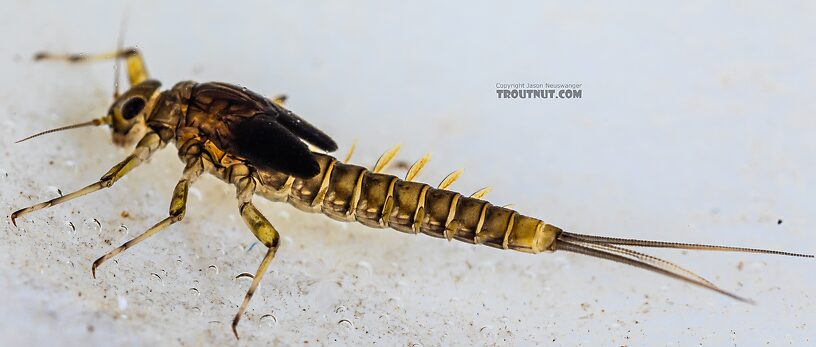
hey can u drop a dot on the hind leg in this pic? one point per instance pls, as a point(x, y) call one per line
point(260, 227)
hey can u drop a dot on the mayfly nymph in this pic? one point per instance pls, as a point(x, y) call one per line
point(259, 146)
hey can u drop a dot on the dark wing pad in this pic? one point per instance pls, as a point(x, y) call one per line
point(251, 126)
point(268, 145)
point(243, 101)
point(304, 130)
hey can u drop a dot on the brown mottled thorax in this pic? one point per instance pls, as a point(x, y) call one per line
point(167, 115)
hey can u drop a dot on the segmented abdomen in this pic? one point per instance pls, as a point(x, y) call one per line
point(349, 192)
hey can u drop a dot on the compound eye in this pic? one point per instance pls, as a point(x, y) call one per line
point(132, 107)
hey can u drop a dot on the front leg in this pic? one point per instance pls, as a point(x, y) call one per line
point(146, 147)
point(136, 68)
point(245, 183)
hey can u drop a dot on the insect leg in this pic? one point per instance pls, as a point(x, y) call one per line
point(265, 233)
point(137, 70)
point(178, 206)
point(147, 145)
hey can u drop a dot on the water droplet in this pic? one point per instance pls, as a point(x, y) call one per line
point(122, 229)
point(340, 309)
point(53, 190)
point(269, 320)
point(487, 331)
point(245, 275)
point(196, 193)
point(212, 270)
point(196, 311)
point(365, 266)
point(122, 302)
point(415, 344)
point(69, 262)
point(194, 292)
point(346, 324)
point(238, 247)
point(334, 336)
point(156, 276)
point(93, 224)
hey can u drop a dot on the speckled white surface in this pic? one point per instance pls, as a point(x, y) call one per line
point(696, 124)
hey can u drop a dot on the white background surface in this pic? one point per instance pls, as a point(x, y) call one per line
point(696, 124)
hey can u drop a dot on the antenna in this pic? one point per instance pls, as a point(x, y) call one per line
point(120, 41)
point(95, 122)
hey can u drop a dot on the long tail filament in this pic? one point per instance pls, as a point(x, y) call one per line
point(607, 248)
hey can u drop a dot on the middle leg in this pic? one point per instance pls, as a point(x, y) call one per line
point(178, 206)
